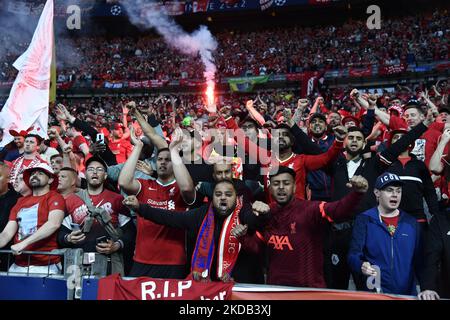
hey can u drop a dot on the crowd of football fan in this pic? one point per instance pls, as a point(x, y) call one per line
point(271, 188)
point(422, 38)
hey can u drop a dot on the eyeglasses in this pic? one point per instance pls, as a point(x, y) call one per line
point(96, 170)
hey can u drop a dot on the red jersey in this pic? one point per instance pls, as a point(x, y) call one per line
point(157, 244)
point(31, 213)
point(108, 200)
point(122, 149)
point(302, 164)
point(294, 239)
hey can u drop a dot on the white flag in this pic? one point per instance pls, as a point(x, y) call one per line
point(27, 104)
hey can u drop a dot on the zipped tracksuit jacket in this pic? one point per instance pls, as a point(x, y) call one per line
point(396, 255)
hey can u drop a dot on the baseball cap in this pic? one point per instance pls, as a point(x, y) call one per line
point(98, 159)
point(386, 179)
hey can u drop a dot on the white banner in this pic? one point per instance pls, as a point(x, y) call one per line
point(27, 104)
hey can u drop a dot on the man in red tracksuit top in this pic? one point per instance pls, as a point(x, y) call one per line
point(300, 163)
point(294, 233)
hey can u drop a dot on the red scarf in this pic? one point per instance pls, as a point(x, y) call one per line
point(228, 248)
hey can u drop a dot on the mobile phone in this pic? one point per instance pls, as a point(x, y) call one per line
point(102, 239)
point(75, 227)
point(100, 138)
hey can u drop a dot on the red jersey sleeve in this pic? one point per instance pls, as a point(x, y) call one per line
point(396, 123)
point(56, 202)
point(315, 162)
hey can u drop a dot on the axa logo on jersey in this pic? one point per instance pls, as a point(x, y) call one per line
point(280, 242)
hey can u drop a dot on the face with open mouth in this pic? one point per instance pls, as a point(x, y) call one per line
point(282, 138)
point(224, 198)
point(95, 174)
point(317, 127)
point(354, 142)
point(282, 188)
point(389, 198)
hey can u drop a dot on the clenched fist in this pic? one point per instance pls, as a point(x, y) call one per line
point(260, 207)
point(131, 202)
point(239, 231)
point(359, 184)
point(340, 132)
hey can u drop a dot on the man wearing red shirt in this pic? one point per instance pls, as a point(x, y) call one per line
point(79, 143)
point(160, 250)
point(119, 143)
point(73, 233)
point(300, 163)
point(34, 222)
point(30, 157)
point(294, 233)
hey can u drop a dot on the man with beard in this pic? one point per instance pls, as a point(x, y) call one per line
point(217, 254)
point(284, 141)
point(30, 156)
point(160, 251)
point(333, 120)
point(34, 222)
point(80, 230)
point(293, 235)
point(413, 115)
point(19, 140)
point(318, 181)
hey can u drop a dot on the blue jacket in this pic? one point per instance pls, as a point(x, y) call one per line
point(319, 181)
point(396, 256)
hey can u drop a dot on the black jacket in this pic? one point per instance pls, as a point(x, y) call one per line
point(371, 168)
point(437, 256)
point(191, 221)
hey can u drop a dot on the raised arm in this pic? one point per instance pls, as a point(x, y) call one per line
point(126, 178)
point(315, 162)
point(344, 209)
point(436, 166)
point(182, 220)
point(254, 113)
point(182, 176)
point(148, 130)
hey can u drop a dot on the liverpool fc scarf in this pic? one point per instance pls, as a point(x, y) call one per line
point(228, 248)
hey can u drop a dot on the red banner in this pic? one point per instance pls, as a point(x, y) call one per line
point(360, 72)
point(115, 288)
point(392, 69)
